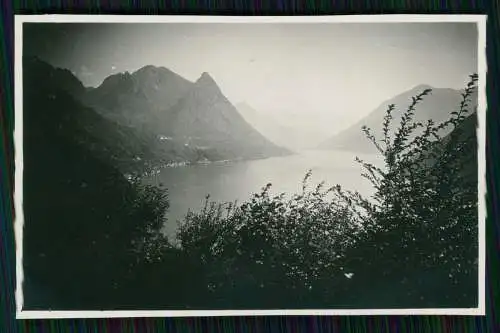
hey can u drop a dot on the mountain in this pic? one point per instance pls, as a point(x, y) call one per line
point(137, 98)
point(129, 148)
point(461, 144)
point(204, 118)
point(182, 121)
point(436, 106)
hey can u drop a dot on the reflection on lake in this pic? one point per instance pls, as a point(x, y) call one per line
point(188, 185)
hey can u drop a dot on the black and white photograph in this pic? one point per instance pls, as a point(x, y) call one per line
point(225, 165)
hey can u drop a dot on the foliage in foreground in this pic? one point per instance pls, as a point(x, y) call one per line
point(421, 230)
point(413, 244)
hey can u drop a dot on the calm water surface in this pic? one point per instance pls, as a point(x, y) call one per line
point(189, 185)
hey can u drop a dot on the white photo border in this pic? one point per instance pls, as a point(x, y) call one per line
point(480, 21)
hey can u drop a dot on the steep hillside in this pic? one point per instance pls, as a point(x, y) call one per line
point(80, 213)
point(58, 112)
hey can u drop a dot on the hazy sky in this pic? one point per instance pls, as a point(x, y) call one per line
point(326, 75)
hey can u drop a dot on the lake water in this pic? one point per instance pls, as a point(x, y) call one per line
point(189, 185)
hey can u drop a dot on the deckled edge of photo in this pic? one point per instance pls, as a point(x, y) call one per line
point(18, 163)
point(480, 21)
point(481, 162)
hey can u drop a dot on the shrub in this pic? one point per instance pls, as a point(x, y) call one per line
point(269, 245)
point(423, 219)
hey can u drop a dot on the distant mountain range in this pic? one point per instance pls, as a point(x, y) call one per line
point(275, 127)
point(151, 117)
point(436, 106)
point(268, 126)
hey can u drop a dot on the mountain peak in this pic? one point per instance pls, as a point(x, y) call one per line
point(116, 79)
point(205, 78)
point(146, 69)
point(151, 69)
point(207, 85)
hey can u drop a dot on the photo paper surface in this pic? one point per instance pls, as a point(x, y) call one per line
point(215, 166)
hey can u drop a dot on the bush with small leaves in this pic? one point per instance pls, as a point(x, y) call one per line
point(423, 216)
point(270, 245)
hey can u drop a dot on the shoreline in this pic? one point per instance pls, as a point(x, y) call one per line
point(157, 169)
